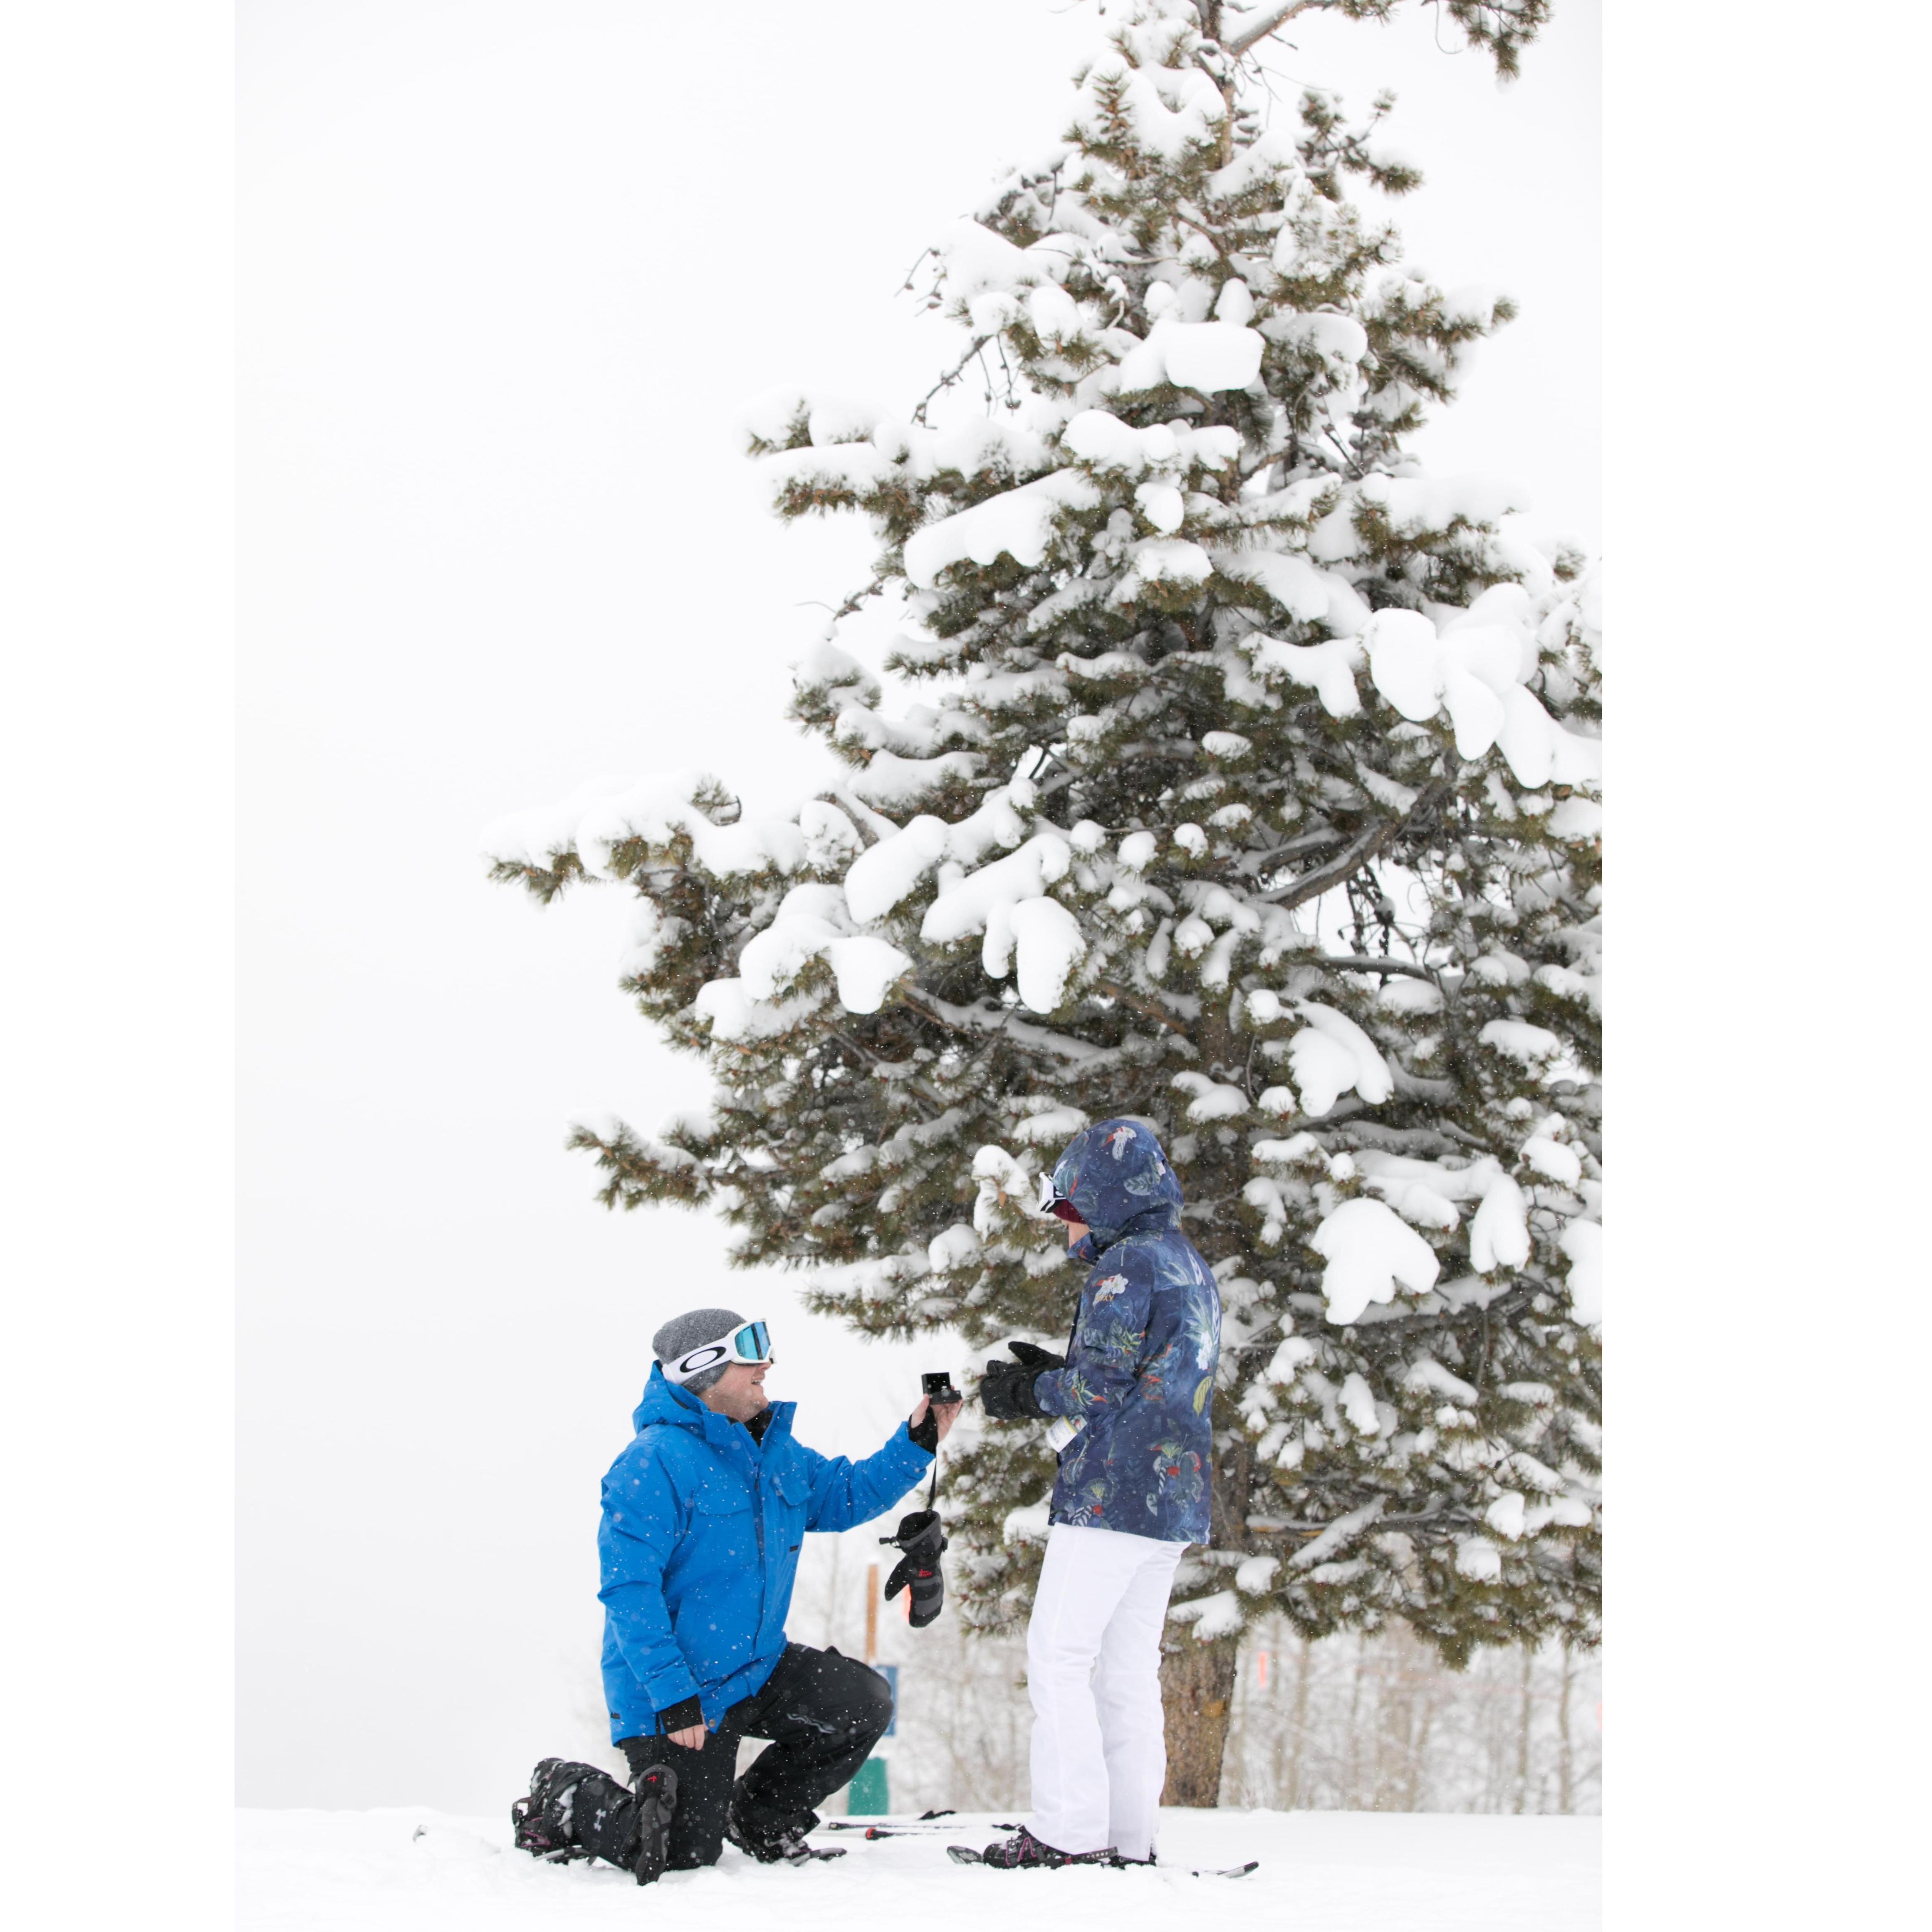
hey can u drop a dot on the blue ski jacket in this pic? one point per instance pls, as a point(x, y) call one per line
point(1140, 1367)
point(699, 1543)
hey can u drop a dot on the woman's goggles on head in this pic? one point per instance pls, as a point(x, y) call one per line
point(750, 1342)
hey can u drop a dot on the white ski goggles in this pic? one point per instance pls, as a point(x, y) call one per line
point(1052, 1202)
point(749, 1342)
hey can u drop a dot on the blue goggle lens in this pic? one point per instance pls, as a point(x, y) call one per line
point(752, 1343)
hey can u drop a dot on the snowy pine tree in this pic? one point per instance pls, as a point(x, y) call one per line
point(1253, 792)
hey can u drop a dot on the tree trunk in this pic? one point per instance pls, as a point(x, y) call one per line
point(1197, 1690)
point(1197, 1680)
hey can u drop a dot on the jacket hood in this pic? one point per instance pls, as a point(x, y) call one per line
point(1118, 1178)
point(664, 1401)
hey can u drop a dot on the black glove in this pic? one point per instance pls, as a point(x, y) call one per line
point(1006, 1393)
point(921, 1538)
point(1006, 1389)
point(1037, 1359)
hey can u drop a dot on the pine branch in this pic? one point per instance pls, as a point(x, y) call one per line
point(1348, 962)
point(1413, 1086)
point(1511, 1303)
point(977, 1020)
point(1444, 1521)
point(1146, 1008)
point(869, 1059)
point(1369, 845)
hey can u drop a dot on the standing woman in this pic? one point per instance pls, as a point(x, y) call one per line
point(1132, 1412)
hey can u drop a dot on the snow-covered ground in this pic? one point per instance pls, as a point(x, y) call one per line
point(413, 1870)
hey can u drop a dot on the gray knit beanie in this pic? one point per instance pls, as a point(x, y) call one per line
point(682, 1333)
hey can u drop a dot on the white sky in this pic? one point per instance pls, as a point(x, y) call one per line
point(508, 272)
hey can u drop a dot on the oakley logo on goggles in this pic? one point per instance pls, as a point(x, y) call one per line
point(749, 1342)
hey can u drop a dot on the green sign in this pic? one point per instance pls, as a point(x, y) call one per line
point(865, 1796)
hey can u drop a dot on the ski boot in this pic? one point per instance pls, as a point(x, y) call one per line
point(577, 1811)
point(656, 1790)
point(1026, 1852)
point(540, 1823)
point(774, 1841)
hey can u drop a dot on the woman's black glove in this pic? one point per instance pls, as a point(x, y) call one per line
point(1006, 1389)
point(921, 1538)
point(1037, 1359)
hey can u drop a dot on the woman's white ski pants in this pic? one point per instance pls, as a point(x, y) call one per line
point(1094, 1669)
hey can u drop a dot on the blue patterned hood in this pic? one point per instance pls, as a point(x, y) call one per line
point(1140, 1369)
point(1117, 1178)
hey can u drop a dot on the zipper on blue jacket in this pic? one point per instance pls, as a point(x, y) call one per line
point(758, 1526)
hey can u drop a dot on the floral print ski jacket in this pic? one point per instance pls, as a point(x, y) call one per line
point(1140, 1366)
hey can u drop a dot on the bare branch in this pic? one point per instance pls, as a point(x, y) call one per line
point(1276, 17)
point(1356, 962)
point(1307, 841)
point(951, 376)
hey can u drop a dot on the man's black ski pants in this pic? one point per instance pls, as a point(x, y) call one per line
point(822, 1712)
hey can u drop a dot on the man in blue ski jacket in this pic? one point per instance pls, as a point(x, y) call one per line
point(704, 1516)
point(1132, 1410)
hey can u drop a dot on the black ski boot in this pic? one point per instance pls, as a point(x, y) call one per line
point(774, 1840)
point(656, 1790)
point(1025, 1852)
point(577, 1811)
point(540, 1823)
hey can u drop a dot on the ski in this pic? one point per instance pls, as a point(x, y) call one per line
point(891, 1831)
point(915, 1831)
point(965, 1855)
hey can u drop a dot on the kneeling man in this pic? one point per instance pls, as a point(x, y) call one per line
point(703, 1517)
